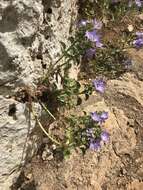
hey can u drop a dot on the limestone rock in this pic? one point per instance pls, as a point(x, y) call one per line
point(15, 129)
point(30, 35)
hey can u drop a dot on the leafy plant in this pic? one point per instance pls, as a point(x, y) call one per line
point(98, 58)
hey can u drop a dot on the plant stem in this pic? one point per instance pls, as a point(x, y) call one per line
point(54, 69)
point(65, 52)
point(45, 108)
point(42, 128)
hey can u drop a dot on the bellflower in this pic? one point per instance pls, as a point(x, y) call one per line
point(95, 116)
point(99, 85)
point(104, 115)
point(99, 117)
point(138, 3)
point(92, 36)
point(94, 145)
point(105, 136)
point(99, 44)
point(139, 34)
point(138, 43)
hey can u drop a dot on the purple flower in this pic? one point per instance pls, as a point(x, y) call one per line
point(90, 53)
point(139, 34)
point(138, 43)
point(94, 145)
point(92, 36)
point(99, 85)
point(83, 22)
point(97, 24)
point(99, 117)
point(104, 116)
point(138, 3)
point(96, 117)
point(99, 44)
point(105, 136)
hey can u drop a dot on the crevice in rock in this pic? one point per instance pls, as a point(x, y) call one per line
point(23, 183)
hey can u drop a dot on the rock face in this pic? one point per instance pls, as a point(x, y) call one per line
point(119, 164)
point(30, 35)
point(19, 21)
point(15, 128)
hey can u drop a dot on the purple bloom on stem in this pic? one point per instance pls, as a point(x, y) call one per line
point(99, 117)
point(99, 44)
point(138, 43)
point(97, 24)
point(104, 116)
point(105, 136)
point(92, 36)
point(138, 3)
point(96, 117)
point(99, 85)
point(90, 53)
point(139, 34)
point(91, 145)
point(94, 145)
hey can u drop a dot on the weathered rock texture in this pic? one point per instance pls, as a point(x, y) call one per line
point(30, 35)
point(15, 127)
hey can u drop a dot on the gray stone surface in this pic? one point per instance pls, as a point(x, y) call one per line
point(30, 35)
point(14, 130)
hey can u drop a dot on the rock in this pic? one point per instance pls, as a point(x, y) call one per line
point(18, 25)
point(136, 56)
point(30, 36)
point(135, 185)
point(15, 132)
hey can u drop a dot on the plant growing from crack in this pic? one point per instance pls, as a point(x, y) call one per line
point(101, 58)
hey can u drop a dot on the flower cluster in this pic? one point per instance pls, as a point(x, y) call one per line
point(92, 35)
point(138, 43)
point(99, 117)
point(94, 142)
point(99, 85)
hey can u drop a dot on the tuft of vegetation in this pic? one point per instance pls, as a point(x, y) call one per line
point(98, 48)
